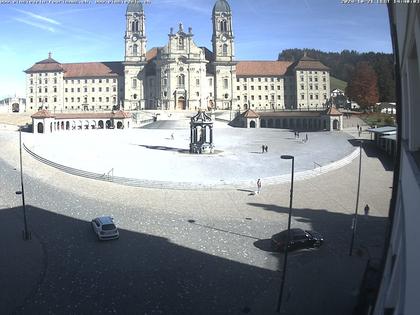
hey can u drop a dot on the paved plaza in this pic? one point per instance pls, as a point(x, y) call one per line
point(158, 154)
point(185, 251)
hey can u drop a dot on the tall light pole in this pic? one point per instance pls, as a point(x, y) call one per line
point(26, 234)
point(354, 225)
point(283, 276)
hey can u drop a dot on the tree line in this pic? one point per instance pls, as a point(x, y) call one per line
point(370, 76)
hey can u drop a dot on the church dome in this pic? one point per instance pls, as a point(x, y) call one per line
point(221, 6)
point(134, 6)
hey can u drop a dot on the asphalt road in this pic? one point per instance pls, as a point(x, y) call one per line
point(174, 262)
point(141, 273)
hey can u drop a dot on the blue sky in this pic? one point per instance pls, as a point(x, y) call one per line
point(94, 32)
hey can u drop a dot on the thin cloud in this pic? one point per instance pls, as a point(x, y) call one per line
point(39, 17)
point(37, 25)
point(186, 4)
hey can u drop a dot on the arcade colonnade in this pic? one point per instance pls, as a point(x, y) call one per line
point(331, 119)
point(45, 122)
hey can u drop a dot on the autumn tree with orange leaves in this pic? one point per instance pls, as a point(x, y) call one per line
point(363, 86)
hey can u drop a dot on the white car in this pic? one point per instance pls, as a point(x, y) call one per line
point(105, 228)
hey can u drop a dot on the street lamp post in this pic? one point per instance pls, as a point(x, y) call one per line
point(26, 234)
point(354, 225)
point(283, 276)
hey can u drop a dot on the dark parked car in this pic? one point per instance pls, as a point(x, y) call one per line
point(298, 239)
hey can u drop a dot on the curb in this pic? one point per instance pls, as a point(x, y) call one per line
point(135, 182)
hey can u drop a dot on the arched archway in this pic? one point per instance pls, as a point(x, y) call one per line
point(51, 126)
point(40, 127)
point(119, 125)
point(252, 124)
point(270, 123)
point(86, 124)
point(67, 125)
point(15, 107)
point(101, 124)
point(181, 103)
point(336, 124)
point(62, 125)
point(108, 124)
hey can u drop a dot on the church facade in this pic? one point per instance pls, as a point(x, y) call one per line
point(178, 76)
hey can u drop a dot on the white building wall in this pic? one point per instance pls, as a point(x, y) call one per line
point(312, 88)
point(44, 90)
point(93, 94)
point(260, 93)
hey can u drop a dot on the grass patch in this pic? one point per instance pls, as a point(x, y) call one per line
point(378, 119)
point(337, 84)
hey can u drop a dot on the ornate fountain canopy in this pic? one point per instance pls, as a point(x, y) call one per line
point(201, 118)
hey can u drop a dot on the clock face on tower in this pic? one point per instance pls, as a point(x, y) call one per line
point(223, 38)
point(134, 38)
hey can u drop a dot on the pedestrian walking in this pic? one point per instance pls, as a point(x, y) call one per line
point(306, 138)
point(297, 132)
point(266, 148)
point(262, 148)
point(367, 210)
point(357, 126)
point(172, 136)
point(258, 186)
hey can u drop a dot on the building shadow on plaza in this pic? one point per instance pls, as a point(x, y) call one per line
point(371, 150)
point(328, 277)
point(164, 148)
point(137, 274)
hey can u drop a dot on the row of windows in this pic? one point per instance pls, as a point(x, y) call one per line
point(259, 87)
point(45, 100)
point(45, 81)
point(315, 72)
point(85, 89)
point(85, 99)
point(92, 107)
point(72, 81)
point(259, 79)
point(311, 87)
point(260, 97)
point(302, 79)
point(31, 90)
point(311, 97)
point(90, 81)
point(45, 74)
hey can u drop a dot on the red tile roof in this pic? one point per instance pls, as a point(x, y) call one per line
point(93, 69)
point(307, 63)
point(249, 113)
point(332, 111)
point(262, 68)
point(46, 65)
point(43, 113)
point(152, 53)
